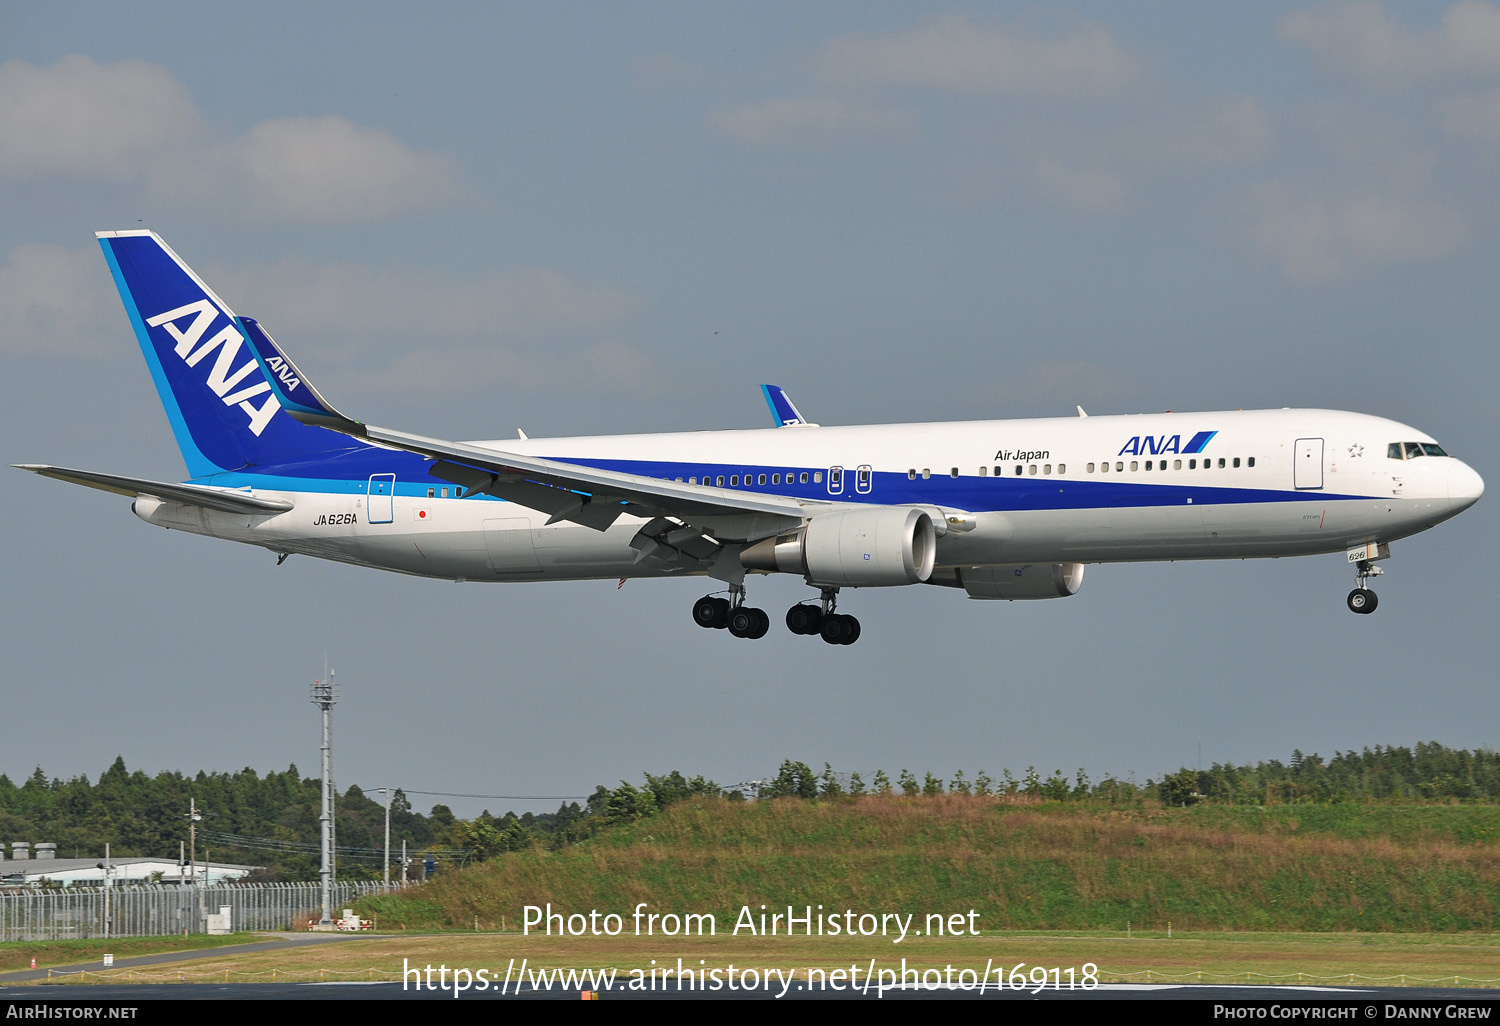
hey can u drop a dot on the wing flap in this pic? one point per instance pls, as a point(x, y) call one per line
point(221, 499)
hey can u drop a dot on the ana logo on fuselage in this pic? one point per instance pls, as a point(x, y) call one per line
point(1157, 445)
point(221, 379)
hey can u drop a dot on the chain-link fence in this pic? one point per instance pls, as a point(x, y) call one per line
point(156, 910)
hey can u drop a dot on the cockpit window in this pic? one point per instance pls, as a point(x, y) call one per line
point(1411, 450)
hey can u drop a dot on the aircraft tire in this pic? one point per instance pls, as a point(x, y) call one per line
point(853, 634)
point(1362, 600)
point(762, 624)
point(804, 619)
point(835, 628)
point(743, 621)
point(711, 612)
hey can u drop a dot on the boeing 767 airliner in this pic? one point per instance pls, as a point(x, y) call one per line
point(1005, 509)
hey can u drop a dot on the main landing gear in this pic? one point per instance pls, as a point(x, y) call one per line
point(1362, 599)
point(835, 628)
point(743, 621)
point(731, 614)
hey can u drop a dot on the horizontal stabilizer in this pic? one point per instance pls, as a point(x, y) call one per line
point(222, 499)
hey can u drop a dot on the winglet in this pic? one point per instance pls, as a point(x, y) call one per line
point(297, 395)
point(782, 410)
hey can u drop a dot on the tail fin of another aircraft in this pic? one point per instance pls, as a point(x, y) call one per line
point(222, 408)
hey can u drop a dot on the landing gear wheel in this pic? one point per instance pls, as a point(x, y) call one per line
point(853, 631)
point(804, 619)
point(746, 622)
point(711, 612)
point(1362, 600)
point(838, 629)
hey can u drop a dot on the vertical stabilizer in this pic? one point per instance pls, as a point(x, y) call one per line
point(222, 409)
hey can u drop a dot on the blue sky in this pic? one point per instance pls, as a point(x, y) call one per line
point(582, 218)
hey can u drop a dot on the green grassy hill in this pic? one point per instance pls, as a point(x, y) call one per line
point(1025, 865)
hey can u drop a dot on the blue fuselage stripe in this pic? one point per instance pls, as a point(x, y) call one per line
point(350, 472)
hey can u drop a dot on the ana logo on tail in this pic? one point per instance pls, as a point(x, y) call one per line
point(221, 379)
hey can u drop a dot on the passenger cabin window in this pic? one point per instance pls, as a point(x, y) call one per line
point(982, 471)
point(431, 493)
point(776, 479)
point(1250, 462)
point(802, 478)
point(926, 473)
point(1134, 465)
point(817, 477)
point(1090, 468)
point(953, 472)
point(911, 474)
point(1062, 468)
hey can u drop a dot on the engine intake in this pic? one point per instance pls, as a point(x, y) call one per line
point(861, 548)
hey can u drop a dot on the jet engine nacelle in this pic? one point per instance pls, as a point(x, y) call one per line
point(1021, 581)
point(860, 548)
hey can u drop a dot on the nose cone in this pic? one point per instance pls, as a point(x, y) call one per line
point(1465, 486)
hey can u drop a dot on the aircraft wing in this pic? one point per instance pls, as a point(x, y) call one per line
point(565, 491)
point(222, 499)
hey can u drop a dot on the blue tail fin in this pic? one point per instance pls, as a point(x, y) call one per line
point(223, 411)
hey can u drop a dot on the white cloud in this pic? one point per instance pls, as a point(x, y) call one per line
point(1363, 40)
point(518, 303)
point(1317, 238)
point(387, 328)
point(1048, 107)
point(1472, 117)
point(90, 120)
point(956, 54)
point(395, 328)
point(132, 122)
point(55, 301)
point(815, 121)
point(328, 170)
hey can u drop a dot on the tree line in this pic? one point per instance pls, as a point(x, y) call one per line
point(272, 820)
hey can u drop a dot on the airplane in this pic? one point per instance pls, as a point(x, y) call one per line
point(1002, 509)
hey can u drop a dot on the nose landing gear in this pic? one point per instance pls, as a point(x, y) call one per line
point(1362, 599)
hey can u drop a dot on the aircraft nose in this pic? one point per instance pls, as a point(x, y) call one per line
point(1465, 486)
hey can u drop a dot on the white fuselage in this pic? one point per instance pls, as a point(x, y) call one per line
point(1069, 490)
